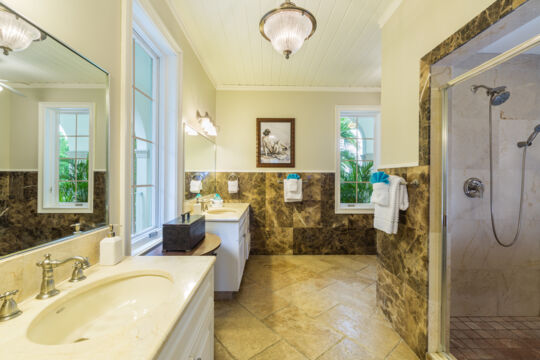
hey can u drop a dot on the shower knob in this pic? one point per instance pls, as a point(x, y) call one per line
point(473, 188)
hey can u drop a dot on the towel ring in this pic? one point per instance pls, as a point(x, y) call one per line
point(232, 177)
point(199, 175)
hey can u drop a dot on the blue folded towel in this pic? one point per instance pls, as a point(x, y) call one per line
point(378, 177)
point(293, 176)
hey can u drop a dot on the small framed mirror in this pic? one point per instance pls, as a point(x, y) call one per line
point(199, 164)
point(54, 121)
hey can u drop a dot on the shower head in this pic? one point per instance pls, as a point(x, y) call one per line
point(497, 95)
point(531, 138)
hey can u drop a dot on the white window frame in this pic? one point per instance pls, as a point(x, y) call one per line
point(154, 231)
point(48, 173)
point(147, 24)
point(367, 208)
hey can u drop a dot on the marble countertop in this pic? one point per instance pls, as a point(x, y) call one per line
point(138, 339)
point(239, 210)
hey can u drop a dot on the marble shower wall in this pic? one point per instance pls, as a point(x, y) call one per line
point(402, 284)
point(487, 279)
point(307, 227)
point(21, 227)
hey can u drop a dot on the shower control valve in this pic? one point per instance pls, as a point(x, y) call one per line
point(473, 188)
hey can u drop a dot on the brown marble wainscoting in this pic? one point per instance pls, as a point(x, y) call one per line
point(21, 227)
point(402, 285)
point(307, 227)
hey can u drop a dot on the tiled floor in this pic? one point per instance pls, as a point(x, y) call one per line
point(306, 307)
point(495, 338)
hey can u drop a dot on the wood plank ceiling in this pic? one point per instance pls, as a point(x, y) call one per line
point(345, 51)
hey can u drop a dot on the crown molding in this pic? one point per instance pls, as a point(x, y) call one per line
point(56, 86)
point(297, 88)
point(387, 14)
point(174, 12)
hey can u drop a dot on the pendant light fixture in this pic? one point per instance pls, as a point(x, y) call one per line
point(287, 27)
point(15, 33)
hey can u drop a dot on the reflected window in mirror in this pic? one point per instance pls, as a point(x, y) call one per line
point(66, 165)
point(145, 177)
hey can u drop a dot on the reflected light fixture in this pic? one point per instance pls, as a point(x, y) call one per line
point(287, 27)
point(190, 131)
point(15, 33)
point(207, 125)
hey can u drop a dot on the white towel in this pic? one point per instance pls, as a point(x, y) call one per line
point(387, 217)
point(195, 186)
point(292, 189)
point(232, 185)
point(381, 194)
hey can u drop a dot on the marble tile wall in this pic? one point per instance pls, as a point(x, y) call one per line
point(307, 227)
point(402, 285)
point(487, 279)
point(21, 227)
point(208, 183)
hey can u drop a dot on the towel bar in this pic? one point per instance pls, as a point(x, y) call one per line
point(303, 181)
point(415, 182)
point(199, 175)
point(232, 177)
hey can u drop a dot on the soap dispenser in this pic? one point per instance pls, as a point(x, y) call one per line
point(111, 248)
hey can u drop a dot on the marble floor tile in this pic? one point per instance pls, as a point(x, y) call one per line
point(348, 349)
point(260, 301)
point(310, 307)
point(402, 352)
point(242, 333)
point(280, 351)
point(310, 337)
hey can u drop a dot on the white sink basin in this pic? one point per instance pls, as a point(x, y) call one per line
point(98, 308)
point(221, 211)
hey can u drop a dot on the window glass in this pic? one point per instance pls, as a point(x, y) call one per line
point(357, 143)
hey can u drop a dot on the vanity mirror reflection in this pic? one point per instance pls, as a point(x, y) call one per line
point(54, 121)
point(199, 164)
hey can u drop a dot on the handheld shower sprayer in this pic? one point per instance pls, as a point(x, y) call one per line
point(531, 138)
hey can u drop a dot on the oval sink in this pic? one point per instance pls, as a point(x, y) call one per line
point(221, 211)
point(99, 308)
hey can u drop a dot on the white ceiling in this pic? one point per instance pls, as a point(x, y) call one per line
point(345, 51)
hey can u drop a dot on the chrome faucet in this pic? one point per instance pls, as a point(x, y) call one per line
point(48, 288)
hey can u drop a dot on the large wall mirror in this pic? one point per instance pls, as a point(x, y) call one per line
point(54, 121)
point(199, 164)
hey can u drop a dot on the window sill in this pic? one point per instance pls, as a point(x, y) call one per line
point(355, 211)
point(141, 247)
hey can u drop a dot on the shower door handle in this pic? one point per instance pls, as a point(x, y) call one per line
point(473, 188)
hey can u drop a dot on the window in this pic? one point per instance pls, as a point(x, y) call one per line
point(356, 143)
point(66, 165)
point(145, 127)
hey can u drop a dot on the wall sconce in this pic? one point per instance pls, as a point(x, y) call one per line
point(15, 33)
point(206, 123)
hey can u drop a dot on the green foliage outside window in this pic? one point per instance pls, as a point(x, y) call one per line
point(354, 173)
point(73, 176)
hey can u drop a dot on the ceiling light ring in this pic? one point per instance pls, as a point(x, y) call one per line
point(288, 6)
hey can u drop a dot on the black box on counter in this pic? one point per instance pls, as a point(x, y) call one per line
point(183, 233)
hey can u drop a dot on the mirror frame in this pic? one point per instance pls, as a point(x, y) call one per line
point(107, 142)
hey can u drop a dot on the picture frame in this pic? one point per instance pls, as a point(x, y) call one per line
point(275, 142)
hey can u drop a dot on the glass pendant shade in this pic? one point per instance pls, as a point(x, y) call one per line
point(15, 33)
point(287, 28)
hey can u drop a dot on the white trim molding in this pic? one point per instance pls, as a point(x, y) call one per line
point(297, 88)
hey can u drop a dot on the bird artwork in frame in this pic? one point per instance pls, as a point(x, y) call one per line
point(275, 142)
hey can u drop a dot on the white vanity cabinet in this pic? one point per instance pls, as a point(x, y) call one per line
point(193, 336)
point(233, 252)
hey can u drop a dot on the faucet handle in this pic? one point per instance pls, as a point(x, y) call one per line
point(9, 309)
point(45, 261)
point(78, 273)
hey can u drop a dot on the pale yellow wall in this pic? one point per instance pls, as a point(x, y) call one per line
point(314, 112)
point(414, 29)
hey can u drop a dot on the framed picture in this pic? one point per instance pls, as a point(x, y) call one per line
point(275, 142)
